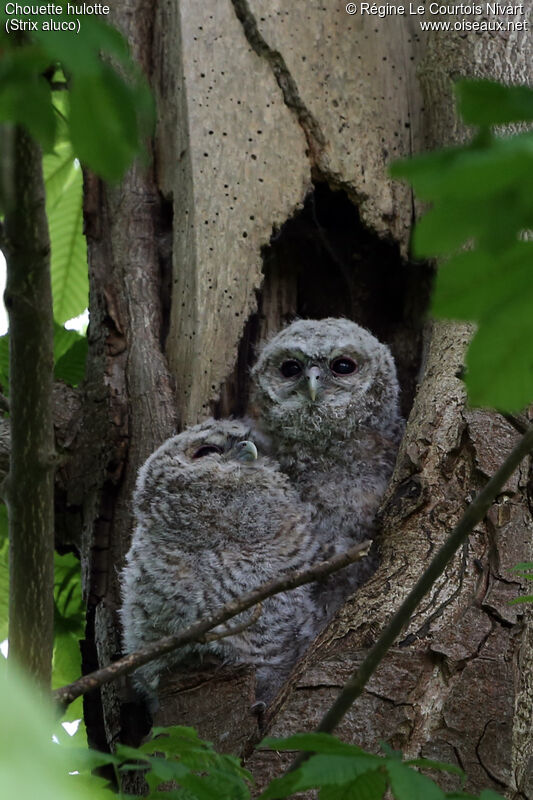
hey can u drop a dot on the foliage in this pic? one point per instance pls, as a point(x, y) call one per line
point(482, 207)
point(480, 195)
point(68, 267)
point(179, 757)
point(343, 770)
point(62, 772)
point(69, 616)
point(110, 109)
point(32, 764)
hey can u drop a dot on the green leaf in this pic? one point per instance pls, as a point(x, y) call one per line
point(490, 103)
point(201, 773)
point(69, 605)
point(27, 726)
point(500, 359)
point(103, 122)
point(369, 786)
point(524, 567)
point(315, 743)
point(25, 96)
point(69, 271)
point(407, 784)
point(71, 366)
point(322, 770)
point(428, 763)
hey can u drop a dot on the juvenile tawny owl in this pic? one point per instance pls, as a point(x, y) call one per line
point(213, 521)
point(326, 394)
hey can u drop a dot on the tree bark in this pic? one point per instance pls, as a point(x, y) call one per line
point(270, 115)
point(29, 486)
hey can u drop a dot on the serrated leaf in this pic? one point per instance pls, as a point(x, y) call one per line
point(322, 770)
point(69, 271)
point(58, 171)
point(441, 766)
point(489, 103)
point(407, 784)
point(315, 743)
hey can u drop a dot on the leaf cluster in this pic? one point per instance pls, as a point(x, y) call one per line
point(342, 771)
point(176, 763)
point(480, 217)
point(110, 109)
point(69, 615)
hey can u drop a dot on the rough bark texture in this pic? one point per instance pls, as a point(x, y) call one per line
point(258, 104)
point(28, 299)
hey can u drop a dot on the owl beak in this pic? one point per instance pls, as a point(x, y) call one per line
point(246, 451)
point(313, 377)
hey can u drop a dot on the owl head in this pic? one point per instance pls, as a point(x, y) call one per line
point(211, 477)
point(214, 447)
point(318, 381)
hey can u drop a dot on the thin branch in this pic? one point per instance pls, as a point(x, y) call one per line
point(66, 694)
point(474, 514)
point(214, 637)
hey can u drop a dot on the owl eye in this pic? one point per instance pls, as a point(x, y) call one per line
point(207, 450)
point(343, 366)
point(290, 368)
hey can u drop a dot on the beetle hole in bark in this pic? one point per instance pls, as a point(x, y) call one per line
point(324, 262)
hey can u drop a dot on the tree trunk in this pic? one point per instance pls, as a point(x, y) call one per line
point(275, 128)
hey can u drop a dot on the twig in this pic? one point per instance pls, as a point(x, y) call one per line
point(473, 514)
point(66, 694)
point(214, 637)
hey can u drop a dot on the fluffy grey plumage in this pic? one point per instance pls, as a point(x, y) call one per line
point(214, 522)
point(326, 393)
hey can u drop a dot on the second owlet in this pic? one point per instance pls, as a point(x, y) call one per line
point(213, 521)
point(326, 393)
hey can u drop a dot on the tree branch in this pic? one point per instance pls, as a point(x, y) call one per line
point(474, 514)
point(214, 637)
point(30, 483)
point(196, 632)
